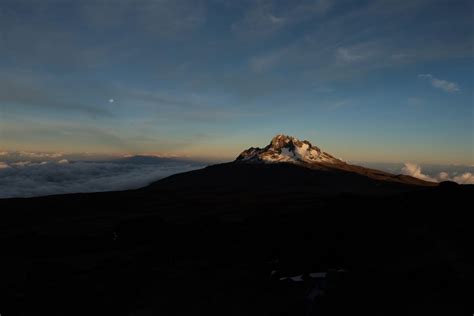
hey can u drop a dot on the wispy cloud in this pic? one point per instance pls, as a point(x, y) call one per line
point(444, 85)
point(465, 178)
point(338, 104)
point(32, 90)
point(349, 55)
point(165, 18)
point(348, 43)
point(47, 37)
point(415, 170)
point(171, 107)
point(415, 101)
point(268, 61)
point(259, 21)
point(266, 17)
point(57, 136)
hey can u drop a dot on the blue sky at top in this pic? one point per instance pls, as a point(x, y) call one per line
point(385, 81)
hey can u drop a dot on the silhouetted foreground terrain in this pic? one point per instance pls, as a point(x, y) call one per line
point(242, 240)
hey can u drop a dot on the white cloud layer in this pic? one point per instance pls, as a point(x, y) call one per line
point(27, 179)
point(444, 85)
point(414, 170)
point(465, 178)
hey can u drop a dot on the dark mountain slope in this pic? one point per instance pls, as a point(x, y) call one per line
point(288, 164)
point(284, 177)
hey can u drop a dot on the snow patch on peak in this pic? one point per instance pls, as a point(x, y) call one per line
point(283, 148)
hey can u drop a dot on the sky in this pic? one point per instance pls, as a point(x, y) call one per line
point(371, 81)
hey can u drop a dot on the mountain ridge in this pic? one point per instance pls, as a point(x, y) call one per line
point(288, 164)
point(284, 148)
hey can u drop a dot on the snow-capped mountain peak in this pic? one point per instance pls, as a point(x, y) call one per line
point(285, 148)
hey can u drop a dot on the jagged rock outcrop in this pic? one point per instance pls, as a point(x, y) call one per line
point(285, 148)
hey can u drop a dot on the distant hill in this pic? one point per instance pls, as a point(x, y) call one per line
point(154, 160)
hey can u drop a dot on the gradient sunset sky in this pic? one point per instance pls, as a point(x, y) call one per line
point(380, 81)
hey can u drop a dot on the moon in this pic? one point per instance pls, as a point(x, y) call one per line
point(111, 100)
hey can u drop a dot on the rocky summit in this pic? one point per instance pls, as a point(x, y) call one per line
point(285, 148)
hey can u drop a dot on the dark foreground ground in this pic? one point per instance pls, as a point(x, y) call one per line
point(197, 251)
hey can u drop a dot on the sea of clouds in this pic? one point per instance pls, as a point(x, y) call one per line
point(441, 173)
point(26, 174)
point(57, 175)
point(462, 174)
